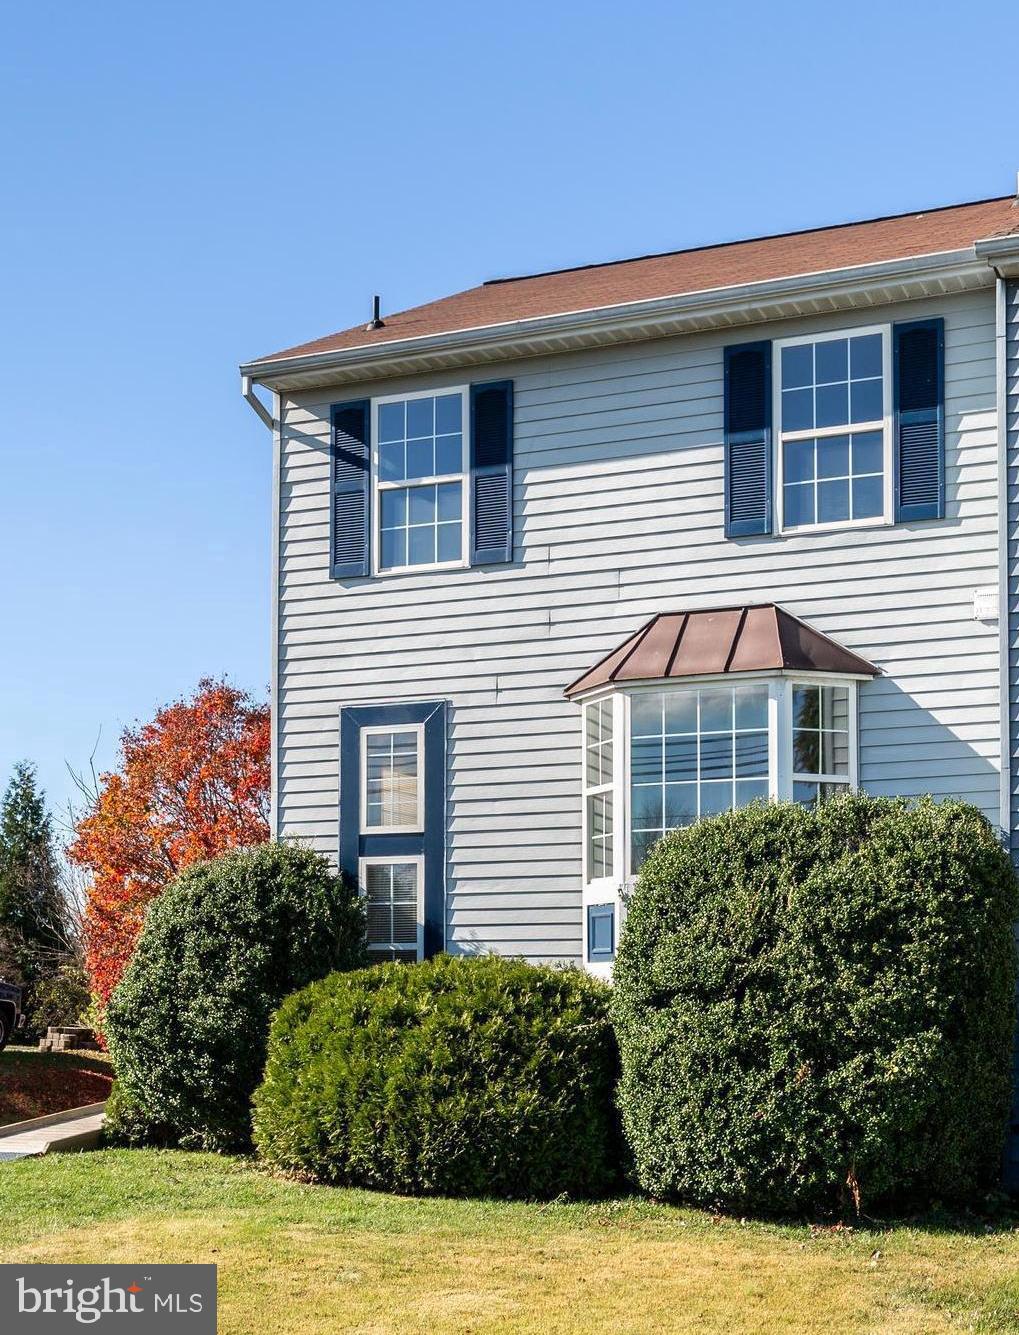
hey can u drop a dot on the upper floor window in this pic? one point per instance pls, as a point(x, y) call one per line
point(832, 403)
point(419, 472)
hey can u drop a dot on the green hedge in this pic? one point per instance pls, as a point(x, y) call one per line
point(221, 947)
point(459, 1076)
point(816, 1008)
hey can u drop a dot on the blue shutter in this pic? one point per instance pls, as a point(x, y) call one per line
point(350, 498)
point(748, 504)
point(601, 933)
point(919, 357)
point(492, 472)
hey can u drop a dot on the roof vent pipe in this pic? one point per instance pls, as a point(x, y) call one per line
point(376, 322)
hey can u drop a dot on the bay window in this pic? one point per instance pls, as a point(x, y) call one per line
point(660, 758)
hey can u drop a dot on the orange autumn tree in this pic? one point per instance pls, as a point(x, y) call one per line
point(190, 784)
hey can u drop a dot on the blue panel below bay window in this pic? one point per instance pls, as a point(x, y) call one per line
point(601, 933)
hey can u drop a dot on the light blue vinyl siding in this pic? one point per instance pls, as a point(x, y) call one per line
point(618, 514)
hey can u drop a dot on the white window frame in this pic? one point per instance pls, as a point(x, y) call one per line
point(848, 781)
point(463, 477)
point(387, 729)
point(599, 790)
point(814, 433)
point(391, 860)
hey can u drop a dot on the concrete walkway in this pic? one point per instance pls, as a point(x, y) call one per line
point(75, 1129)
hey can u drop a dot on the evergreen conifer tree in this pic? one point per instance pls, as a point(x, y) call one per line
point(33, 937)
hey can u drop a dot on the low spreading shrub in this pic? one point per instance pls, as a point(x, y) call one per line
point(816, 1008)
point(188, 1023)
point(460, 1076)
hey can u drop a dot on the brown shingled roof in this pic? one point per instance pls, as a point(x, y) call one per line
point(759, 638)
point(594, 286)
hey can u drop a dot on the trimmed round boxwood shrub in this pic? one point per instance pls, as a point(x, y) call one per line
point(815, 1008)
point(188, 1024)
point(478, 1076)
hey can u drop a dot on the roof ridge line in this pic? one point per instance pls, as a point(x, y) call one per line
point(740, 241)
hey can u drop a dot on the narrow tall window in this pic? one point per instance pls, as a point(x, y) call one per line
point(598, 788)
point(392, 790)
point(420, 465)
point(392, 893)
point(694, 753)
point(832, 405)
point(821, 742)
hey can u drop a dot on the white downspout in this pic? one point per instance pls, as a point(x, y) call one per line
point(252, 398)
point(1004, 619)
point(274, 421)
point(274, 617)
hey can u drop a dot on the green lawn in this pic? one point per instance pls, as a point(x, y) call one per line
point(299, 1259)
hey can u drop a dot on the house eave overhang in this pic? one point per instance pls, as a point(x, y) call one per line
point(860, 287)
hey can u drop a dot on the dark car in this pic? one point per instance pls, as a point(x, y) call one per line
point(11, 1015)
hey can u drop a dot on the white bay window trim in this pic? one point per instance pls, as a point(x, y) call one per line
point(831, 778)
point(605, 889)
point(601, 720)
point(882, 424)
point(379, 487)
point(620, 743)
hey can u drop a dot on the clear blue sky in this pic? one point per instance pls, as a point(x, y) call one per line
point(189, 185)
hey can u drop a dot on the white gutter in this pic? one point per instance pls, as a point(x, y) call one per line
point(1001, 253)
point(738, 304)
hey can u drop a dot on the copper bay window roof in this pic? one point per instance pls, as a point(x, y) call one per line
point(759, 638)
